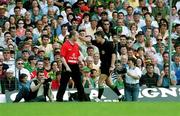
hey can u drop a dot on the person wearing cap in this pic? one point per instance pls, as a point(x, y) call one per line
point(3, 18)
point(9, 82)
point(86, 80)
point(140, 40)
point(71, 58)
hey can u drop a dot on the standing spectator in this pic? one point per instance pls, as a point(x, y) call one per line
point(165, 80)
point(176, 67)
point(70, 57)
point(150, 78)
point(132, 81)
point(108, 57)
point(55, 75)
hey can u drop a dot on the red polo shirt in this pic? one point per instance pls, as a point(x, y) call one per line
point(70, 52)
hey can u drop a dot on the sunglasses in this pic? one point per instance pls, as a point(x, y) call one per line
point(159, 39)
point(19, 63)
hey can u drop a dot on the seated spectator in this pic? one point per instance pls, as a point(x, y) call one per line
point(86, 80)
point(9, 82)
point(24, 88)
point(40, 88)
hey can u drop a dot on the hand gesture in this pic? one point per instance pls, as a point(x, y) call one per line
point(162, 74)
point(111, 69)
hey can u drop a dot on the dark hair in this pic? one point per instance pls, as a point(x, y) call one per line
point(132, 59)
point(22, 76)
point(44, 36)
point(90, 47)
point(165, 53)
point(32, 57)
point(142, 65)
point(53, 63)
point(39, 71)
point(100, 33)
point(7, 33)
point(140, 48)
point(149, 64)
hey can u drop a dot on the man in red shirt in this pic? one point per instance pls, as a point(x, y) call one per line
point(70, 57)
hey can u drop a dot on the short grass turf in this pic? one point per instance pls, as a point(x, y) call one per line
point(91, 109)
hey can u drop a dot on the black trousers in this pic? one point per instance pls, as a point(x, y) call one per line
point(76, 76)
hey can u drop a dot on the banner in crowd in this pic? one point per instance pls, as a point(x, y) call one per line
point(146, 94)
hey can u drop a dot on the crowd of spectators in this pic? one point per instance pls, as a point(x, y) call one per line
point(33, 31)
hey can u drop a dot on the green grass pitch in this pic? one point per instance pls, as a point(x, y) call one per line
point(91, 109)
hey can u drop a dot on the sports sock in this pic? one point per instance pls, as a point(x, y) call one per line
point(115, 89)
point(101, 90)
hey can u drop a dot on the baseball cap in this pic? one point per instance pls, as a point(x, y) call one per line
point(86, 69)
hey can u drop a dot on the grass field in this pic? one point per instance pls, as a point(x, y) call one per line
point(91, 109)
